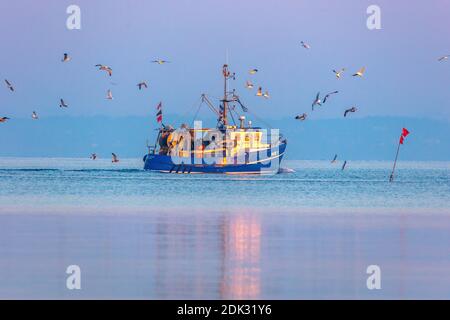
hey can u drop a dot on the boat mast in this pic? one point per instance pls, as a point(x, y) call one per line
point(226, 74)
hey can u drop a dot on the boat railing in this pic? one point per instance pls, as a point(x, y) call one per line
point(151, 150)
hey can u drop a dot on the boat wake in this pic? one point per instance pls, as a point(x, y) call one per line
point(286, 170)
point(71, 170)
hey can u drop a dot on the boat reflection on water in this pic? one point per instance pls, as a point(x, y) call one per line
point(241, 239)
point(228, 254)
point(217, 254)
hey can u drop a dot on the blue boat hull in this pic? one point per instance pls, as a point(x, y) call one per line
point(267, 164)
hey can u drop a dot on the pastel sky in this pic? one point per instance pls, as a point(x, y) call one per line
point(403, 76)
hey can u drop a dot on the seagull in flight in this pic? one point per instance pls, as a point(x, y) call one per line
point(104, 68)
point(316, 101)
point(305, 45)
point(345, 163)
point(266, 94)
point(301, 117)
point(334, 159)
point(9, 85)
point(328, 95)
point(34, 115)
point(66, 58)
point(444, 58)
point(249, 85)
point(109, 95)
point(62, 104)
point(259, 93)
point(253, 71)
point(360, 72)
point(339, 73)
point(114, 158)
point(160, 61)
point(352, 109)
point(142, 84)
point(3, 119)
point(93, 156)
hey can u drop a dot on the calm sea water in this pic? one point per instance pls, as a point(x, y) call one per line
point(307, 234)
point(314, 184)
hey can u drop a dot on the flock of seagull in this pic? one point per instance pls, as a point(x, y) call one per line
point(109, 96)
point(318, 101)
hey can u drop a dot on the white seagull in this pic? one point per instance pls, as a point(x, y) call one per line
point(259, 93)
point(160, 61)
point(109, 95)
point(104, 68)
point(316, 101)
point(66, 58)
point(360, 72)
point(338, 73)
point(34, 115)
point(305, 45)
point(114, 158)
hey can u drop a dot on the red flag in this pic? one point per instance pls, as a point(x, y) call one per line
point(405, 132)
point(159, 112)
point(401, 139)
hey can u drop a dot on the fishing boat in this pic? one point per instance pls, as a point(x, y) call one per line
point(229, 148)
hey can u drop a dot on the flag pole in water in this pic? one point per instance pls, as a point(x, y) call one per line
point(405, 132)
point(391, 178)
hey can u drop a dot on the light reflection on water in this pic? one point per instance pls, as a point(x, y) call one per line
point(241, 261)
point(228, 255)
point(310, 234)
point(187, 253)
